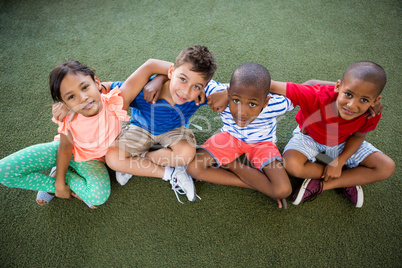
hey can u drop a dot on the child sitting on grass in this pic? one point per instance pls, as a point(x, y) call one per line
point(83, 142)
point(333, 120)
point(164, 122)
point(249, 127)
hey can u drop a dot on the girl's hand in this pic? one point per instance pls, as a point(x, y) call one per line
point(153, 88)
point(63, 191)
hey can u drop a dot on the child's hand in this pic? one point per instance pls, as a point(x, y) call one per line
point(332, 170)
point(376, 110)
point(153, 88)
point(218, 101)
point(63, 191)
point(60, 111)
point(201, 98)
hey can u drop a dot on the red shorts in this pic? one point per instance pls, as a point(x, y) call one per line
point(225, 149)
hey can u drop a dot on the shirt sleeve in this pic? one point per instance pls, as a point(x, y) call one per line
point(371, 123)
point(116, 84)
point(301, 94)
point(213, 87)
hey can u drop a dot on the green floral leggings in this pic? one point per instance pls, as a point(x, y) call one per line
point(89, 180)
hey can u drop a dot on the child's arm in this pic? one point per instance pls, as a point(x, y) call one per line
point(153, 88)
point(334, 169)
point(60, 111)
point(218, 101)
point(64, 154)
point(313, 82)
point(278, 87)
point(137, 80)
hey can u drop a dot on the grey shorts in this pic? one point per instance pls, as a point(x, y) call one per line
point(136, 140)
point(310, 148)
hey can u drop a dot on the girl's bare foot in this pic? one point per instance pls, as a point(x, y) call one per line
point(79, 198)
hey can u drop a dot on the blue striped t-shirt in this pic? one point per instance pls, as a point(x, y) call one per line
point(161, 117)
point(261, 129)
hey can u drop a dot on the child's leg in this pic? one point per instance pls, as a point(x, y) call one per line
point(299, 157)
point(374, 168)
point(22, 169)
point(298, 165)
point(179, 148)
point(122, 161)
point(123, 157)
point(274, 182)
point(204, 168)
point(91, 183)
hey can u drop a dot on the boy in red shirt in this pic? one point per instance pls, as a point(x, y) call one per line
point(333, 120)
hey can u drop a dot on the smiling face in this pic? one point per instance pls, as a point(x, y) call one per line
point(185, 85)
point(246, 103)
point(81, 94)
point(355, 97)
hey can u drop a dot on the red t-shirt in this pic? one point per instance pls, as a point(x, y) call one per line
point(319, 117)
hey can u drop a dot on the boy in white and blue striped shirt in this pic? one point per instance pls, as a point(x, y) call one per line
point(250, 129)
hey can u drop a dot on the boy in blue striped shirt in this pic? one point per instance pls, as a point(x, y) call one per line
point(249, 127)
point(164, 122)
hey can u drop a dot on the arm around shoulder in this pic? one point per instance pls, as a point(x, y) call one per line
point(137, 80)
point(278, 87)
point(313, 82)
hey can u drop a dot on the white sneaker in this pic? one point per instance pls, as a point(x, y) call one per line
point(179, 177)
point(122, 178)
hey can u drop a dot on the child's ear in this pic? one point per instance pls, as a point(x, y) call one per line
point(170, 72)
point(228, 91)
point(337, 85)
point(266, 102)
point(376, 101)
point(98, 83)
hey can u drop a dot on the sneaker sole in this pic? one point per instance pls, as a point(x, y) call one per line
point(193, 198)
point(301, 192)
point(359, 203)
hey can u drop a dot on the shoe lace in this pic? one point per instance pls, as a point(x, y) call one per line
point(314, 192)
point(177, 189)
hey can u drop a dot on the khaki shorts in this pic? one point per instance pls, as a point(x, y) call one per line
point(136, 140)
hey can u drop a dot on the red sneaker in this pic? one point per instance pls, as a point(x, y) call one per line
point(308, 191)
point(355, 195)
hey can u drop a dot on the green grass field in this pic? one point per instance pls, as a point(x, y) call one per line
point(142, 224)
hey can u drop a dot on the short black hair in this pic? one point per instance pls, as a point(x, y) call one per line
point(252, 74)
point(367, 71)
point(60, 71)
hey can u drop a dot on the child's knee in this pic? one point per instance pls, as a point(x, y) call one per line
point(386, 167)
point(284, 190)
point(186, 153)
point(112, 157)
point(292, 166)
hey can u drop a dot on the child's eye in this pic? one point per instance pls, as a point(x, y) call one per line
point(183, 79)
point(365, 100)
point(348, 95)
point(70, 97)
point(197, 88)
point(236, 101)
point(85, 87)
point(252, 104)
